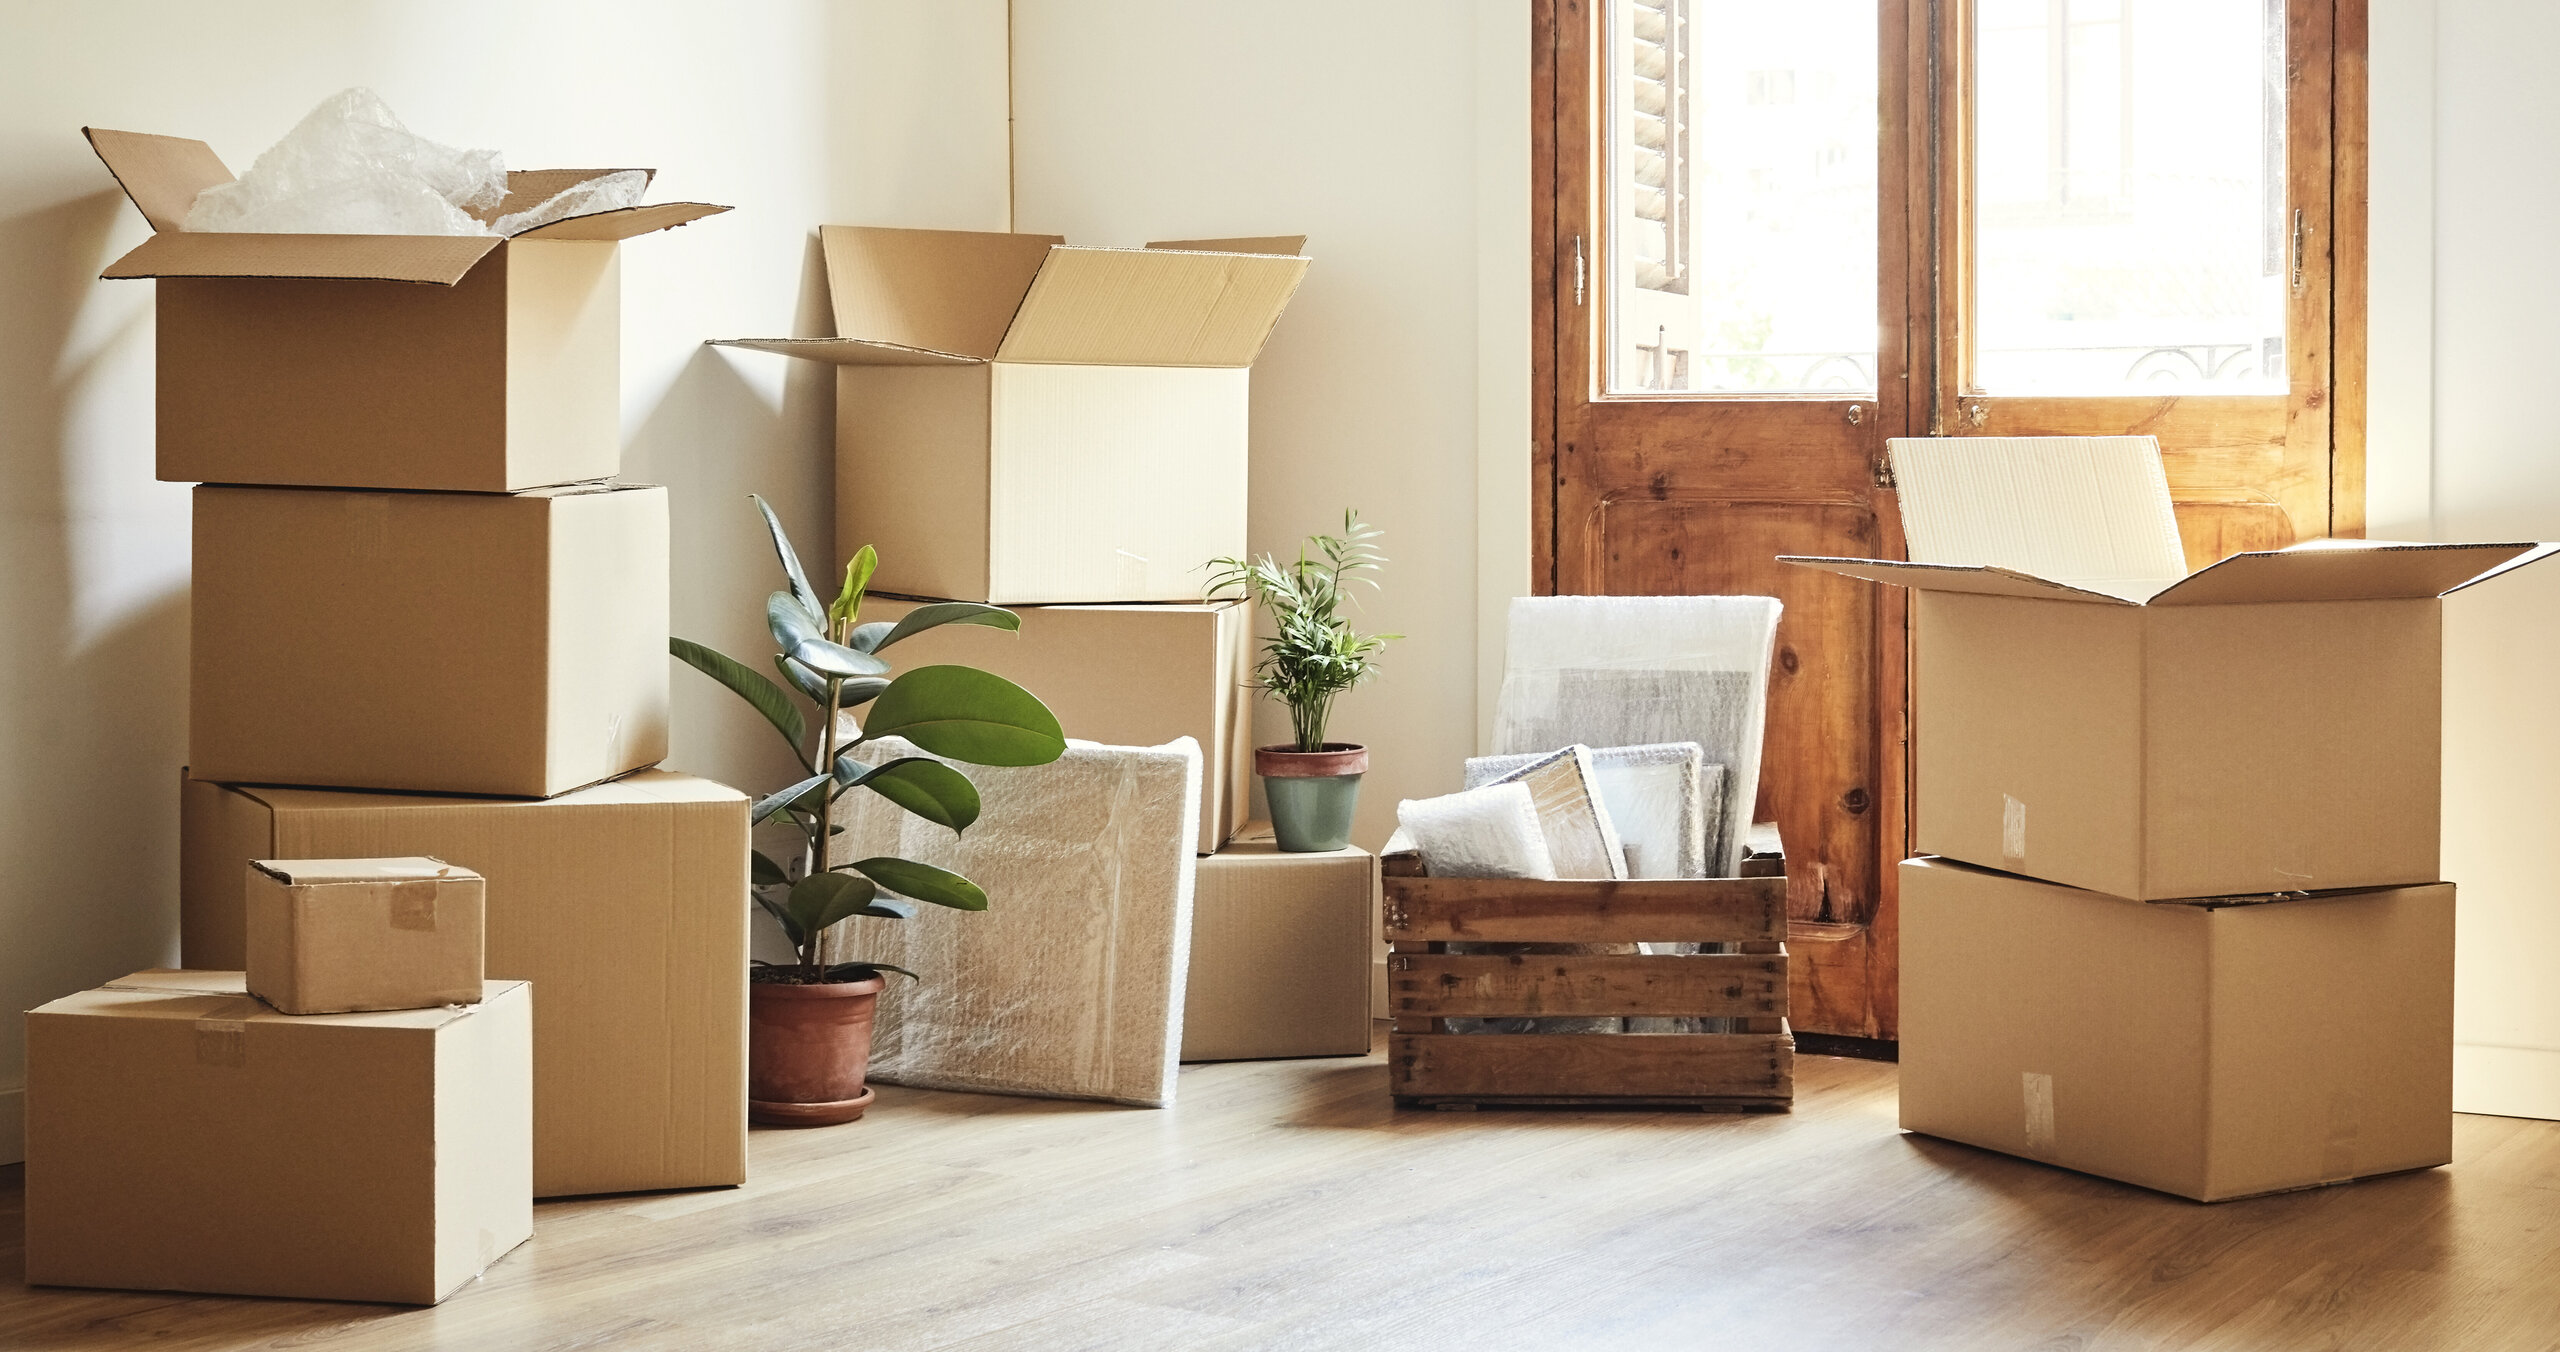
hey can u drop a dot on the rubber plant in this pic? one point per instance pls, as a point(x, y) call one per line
point(1312, 784)
point(831, 664)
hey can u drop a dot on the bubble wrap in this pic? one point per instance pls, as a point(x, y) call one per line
point(1637, 670)
point(1481, 833)
point(1581, 841)
point(1660, 799)
point(605, 192)
point(350, 168)
point(1069, 984)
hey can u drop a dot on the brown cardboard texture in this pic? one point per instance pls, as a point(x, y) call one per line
point(334, 936)
point(1279, 953)
point(181, 1136)
point(470, 363)
point(1125, 675)
point(444, 642)
point(625, 905)
point(2212, 1051)
point(1022, 421)
point(2269, 723)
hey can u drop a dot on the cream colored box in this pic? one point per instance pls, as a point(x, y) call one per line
point(181, 1136)
point(332, 936)
point(2211, 1049)
point(624, 902)
point(1280, 947)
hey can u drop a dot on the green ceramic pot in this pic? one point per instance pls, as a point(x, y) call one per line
point(1312, 793)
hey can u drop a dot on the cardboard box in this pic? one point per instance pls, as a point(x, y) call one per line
point(2209, 1050)
point(1124, 675)
point(1279, 953)
point(2085, 714)
point(624, 903)
point(1020, 421)
point(183, 1137)
point(382, 361)
point(448, 642)
point(332, 936)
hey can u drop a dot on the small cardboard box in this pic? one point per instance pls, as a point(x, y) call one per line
point(2213, 1050)
point(472, 363)
point(1021, 421)
point(1279, 953)
point(446, 642)
point(2085, 712)
point(1133, 675)
point(181, 1136)
point(333, 936)
point(624, 903)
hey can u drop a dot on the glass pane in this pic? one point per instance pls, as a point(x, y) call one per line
point(1741, 249)
point(2130, 228)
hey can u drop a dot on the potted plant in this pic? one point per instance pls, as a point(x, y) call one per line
point(1312, 784)
point(809, 1022)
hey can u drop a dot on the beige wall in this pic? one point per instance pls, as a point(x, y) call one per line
point(796, 111)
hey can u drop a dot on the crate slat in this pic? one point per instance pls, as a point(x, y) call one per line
point(1492, 985)
point(1513, 910)
point(1702, 1068)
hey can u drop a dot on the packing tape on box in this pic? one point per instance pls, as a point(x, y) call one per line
point(413, 905)
point(2013, 833)
point(222, 1037)
point(2039, 1105)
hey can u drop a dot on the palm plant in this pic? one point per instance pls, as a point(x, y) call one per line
point(832, 659)
point(1315, 655)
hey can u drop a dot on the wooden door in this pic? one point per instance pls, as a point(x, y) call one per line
point(1693, 489)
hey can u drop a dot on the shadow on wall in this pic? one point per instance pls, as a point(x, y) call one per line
point(92, 717)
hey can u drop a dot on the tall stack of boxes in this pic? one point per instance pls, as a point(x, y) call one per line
point(2177, 919)
point(1063, 431)
point(427, 622)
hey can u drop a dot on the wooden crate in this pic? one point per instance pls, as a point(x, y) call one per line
point(1752, 1069)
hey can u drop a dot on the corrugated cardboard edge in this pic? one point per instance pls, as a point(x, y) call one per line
point(1978, 579)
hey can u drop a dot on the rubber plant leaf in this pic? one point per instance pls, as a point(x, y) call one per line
point(800, 588)
point(749, 685)
point(763, 872)
point(879, 634)
point(968, 715)
point(822, 899)
point(927, 788)
point(923, 882)
point(772, 805)
point(857, 579)
point(797, 631)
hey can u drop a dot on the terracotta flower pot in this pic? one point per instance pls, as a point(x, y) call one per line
point(1312, 793)
point(808, 1048)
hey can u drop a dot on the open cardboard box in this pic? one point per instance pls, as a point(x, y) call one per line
point(464, 362)
point(1018, 420)
point(2086, 712)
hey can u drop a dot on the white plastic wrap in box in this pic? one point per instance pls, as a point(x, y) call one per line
point(1069, 984)
point(1660, 800)
point(1632, 670)
point(1581, 842)
point(1492, 832)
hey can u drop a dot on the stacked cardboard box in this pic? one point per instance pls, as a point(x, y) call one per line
point(2183, 926)
point(416, 580)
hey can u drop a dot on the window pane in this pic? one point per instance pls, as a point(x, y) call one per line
point(1741, 168)
point(2131, 234)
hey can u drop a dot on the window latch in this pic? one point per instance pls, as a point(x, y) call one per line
point(1577, 271)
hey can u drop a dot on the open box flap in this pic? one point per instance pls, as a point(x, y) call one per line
point(160, 174)
point(646, 219)
point(530, 188)
point(310, 872)
point(1979, 579)
point(2343, 570)
point(848, 351)
point(1250, 244)
point(952, 292)
point(2093, 512)
point(1151, 307)
point(437, 259)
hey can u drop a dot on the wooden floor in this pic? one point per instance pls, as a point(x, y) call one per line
point(1287, 1205)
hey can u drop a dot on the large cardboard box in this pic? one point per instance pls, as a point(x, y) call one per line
point(1125, 675)
point(1279, 953)
point(2085, 712)
point(2212, 1050)
point(333, 936)
point(181, 1136)
point(1021, 421)
point(474, 363)
point(448, 642)
point(624, 903)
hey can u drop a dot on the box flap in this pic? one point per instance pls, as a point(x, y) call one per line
point(1248, 244)
point(305, 872)
point(441, 260)
point(1151, 307)
point(161, 174)
point(530, 188)
point(2342, 570)
point(2093, 512)
point(952, 292)
point(1942, 577)
point(625, 223)
point(848, 351)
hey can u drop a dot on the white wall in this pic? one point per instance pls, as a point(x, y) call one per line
point(1396, 138)
point(795, 112)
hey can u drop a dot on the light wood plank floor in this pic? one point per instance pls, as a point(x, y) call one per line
point(1287, 1205)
